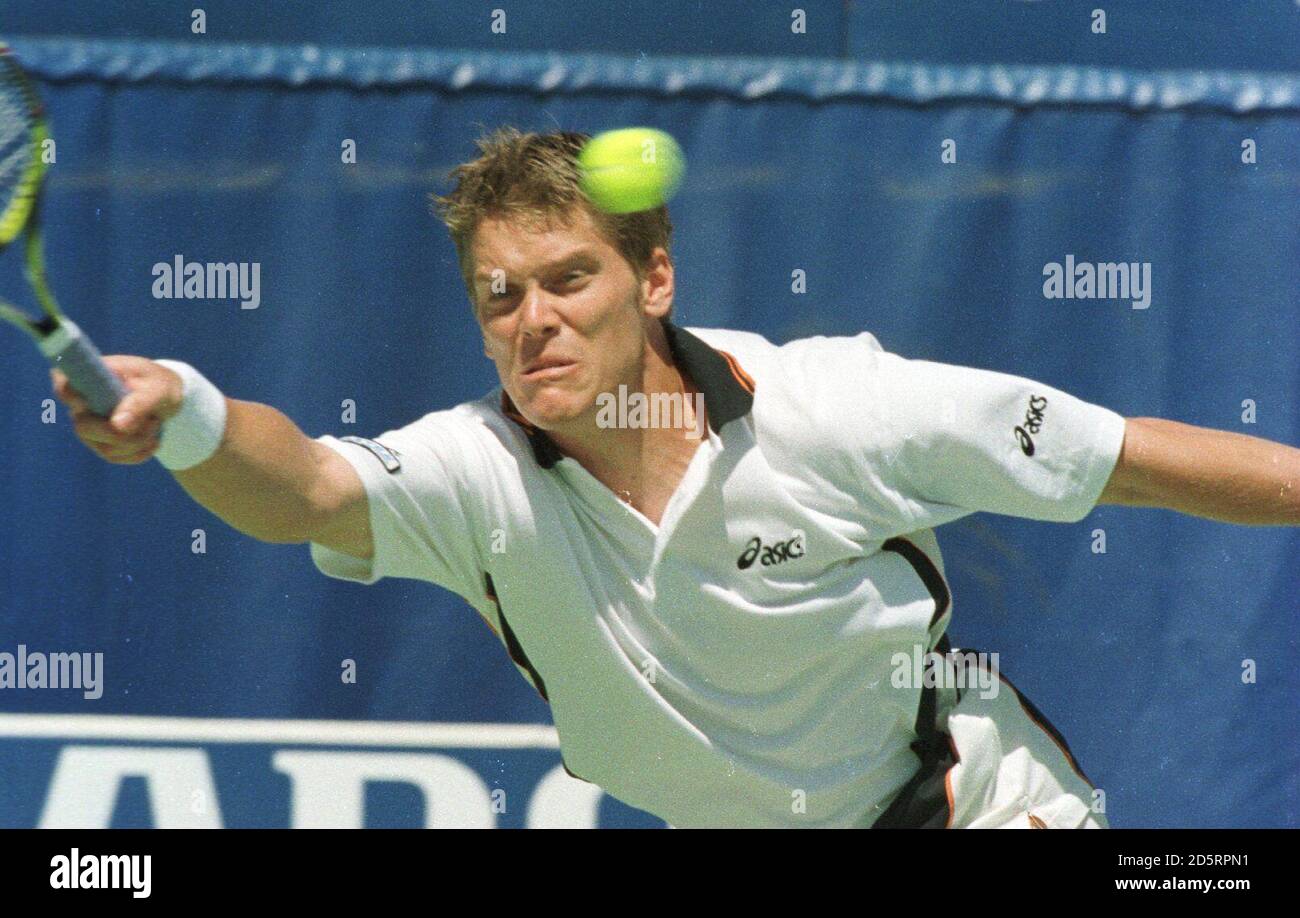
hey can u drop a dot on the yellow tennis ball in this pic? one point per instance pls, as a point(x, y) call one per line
point(630, 169)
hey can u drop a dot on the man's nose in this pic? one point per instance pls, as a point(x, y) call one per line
point(537, 311)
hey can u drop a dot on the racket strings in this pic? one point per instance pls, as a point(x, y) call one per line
point(17, 123)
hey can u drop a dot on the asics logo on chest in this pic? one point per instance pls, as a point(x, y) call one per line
point(772, 553)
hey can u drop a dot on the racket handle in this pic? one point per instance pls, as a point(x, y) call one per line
point(68, 348)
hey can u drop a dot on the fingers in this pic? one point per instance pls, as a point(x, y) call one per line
point(112, 444)
point(65, 393)
point(140, 376)
point(124, 456)
point(94, 429)
point(136, 458)
point(138, 409)
point(130, 436)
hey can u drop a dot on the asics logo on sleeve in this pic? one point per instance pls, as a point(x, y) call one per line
point(389, 457)
point(1033, 424)
point(775, 553)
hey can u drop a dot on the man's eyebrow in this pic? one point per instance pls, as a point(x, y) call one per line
point(583, 255)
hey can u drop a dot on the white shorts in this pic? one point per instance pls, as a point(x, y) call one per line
point(1013, 769)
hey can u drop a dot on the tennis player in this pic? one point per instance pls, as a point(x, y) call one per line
point(714, 556)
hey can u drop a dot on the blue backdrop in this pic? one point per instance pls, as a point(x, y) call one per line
point(815, 158)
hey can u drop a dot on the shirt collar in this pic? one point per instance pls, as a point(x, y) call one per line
point(727, 389)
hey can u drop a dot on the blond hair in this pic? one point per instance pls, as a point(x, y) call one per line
point(534, 177)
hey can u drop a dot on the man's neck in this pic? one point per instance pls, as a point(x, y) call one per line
point(640, 462)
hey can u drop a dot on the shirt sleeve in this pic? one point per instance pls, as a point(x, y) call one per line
point(952, 440)
point(420, 507)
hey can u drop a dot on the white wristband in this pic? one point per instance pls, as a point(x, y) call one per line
point(194, 433)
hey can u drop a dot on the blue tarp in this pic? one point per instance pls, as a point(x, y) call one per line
point(217, 152)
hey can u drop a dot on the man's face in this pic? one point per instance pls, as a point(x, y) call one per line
point(561, 313)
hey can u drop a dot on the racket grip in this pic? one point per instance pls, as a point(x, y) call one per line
point(68, 349)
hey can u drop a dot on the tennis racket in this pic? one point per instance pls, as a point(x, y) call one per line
point(23, 131)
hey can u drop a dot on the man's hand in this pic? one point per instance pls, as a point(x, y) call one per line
point(130, 437)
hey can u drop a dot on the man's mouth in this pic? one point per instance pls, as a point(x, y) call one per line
point(547, 368)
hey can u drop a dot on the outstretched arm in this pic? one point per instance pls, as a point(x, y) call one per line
point(1215, 474)
point(268, 479)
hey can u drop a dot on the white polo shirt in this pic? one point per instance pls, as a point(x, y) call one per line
point(685, 681)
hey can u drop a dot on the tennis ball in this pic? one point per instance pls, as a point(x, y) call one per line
point(630, 169)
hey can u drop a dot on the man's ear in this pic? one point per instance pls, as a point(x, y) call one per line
point(657, 284)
